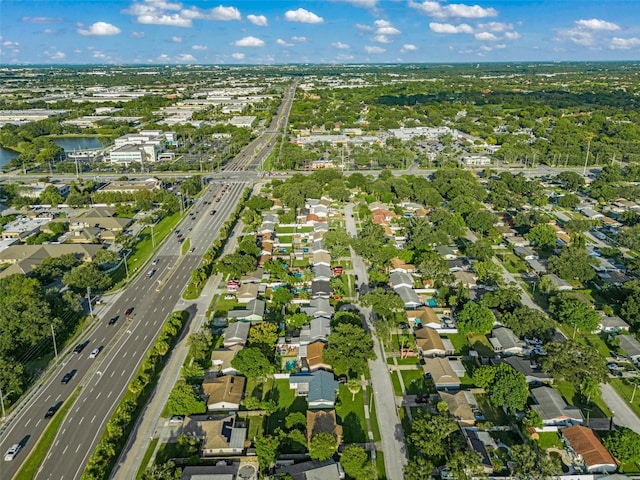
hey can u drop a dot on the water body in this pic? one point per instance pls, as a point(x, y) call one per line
point(74, 144)
point(6, 155)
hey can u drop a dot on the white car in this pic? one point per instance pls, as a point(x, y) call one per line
point(12, 452)
point(94, 353)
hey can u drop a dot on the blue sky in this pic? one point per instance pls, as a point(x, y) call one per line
point(329, 31)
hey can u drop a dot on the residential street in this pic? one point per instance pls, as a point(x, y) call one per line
point(391, 433)
point(622, 413)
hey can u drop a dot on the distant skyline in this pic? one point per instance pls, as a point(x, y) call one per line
point(169, 32)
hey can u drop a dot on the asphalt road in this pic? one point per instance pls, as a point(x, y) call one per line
point(391, 432)
point(103, 380)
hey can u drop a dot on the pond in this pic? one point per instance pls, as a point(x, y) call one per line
point(72, 144)
point(6, 155)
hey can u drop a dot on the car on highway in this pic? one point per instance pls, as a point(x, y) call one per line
point(113, 320)
point(192, 249)
point(94, 353)
point(151, 272)
point(68, 376)
point(12, 452)
point(128, 311)
point(155, 262)
point(81, 346)
point(176, 419)
point(52, 410)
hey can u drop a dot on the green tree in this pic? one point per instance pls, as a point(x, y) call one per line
point(295, 420)
point(624, 444)
point(572, 181)
point(337, 242)
point(252, 363)
point(574, 362)
point(571, 311)
point(509, 388)
point(418, 468)
point(433, 435)
point(466, 465)
point(267, 447)
point(356, 463)
point(589, 388)
point(51, 196)
point(200, 344)
point(296, 321)
point(384, 303)
point(573, 263)
point(475, 318)
point(264, 335)
point(281, 297)
point(322, 446)
point(87, 275)
point(184, 400)
point(531, 463)
point(350, 347)
point(542, 236)
point(236, 264)
point(528, 322)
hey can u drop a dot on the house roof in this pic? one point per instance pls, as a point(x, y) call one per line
point(408, 296)
point(584, 442)
point(110, 223)
point(315, 355)
point(327, 470)
point(459, 405)
point(221, 357)
point(318, 307)
point(253, 307)
point(557, 281)
point(323, 421)
point(551, 406)
point(227, 389)
point(507, 338)
point(613, 322)
point(630, 345)
point(321, 257)
point(523, 366)
point(322, 385)
point(320, 328)
point(425, 314)
point(16, 253)
point(441, 371)
point(320, 286)
point(400, 278)
point(236, 331)
point(217, 432)
point(428, 339)
point(322, 271)
point(398, 263)
point(248, 290)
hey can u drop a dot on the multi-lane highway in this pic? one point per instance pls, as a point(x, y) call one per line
point(104, 379)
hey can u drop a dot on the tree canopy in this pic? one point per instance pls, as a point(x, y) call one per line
point(252, 363)
point(475, 318)
point(349, 349)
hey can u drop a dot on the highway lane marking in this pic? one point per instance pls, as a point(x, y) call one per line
point(65, 450)
point(28, 422)
point(92, 420)
point(77, 409)
point(110, 393)
point(146, 323)
point(113, 373)
point(84, 399)
point(58, 397)
point(38, 423)
point(124, 354)
point(48, 397)
point(57, 442)
point(145, 337)
point(136, 339)
point(81, 420)
point(79, 445)
point(123, 372)
point(98, 396)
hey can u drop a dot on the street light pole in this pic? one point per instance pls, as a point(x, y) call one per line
point(2, 402)
point(53, 335)
point(89, 300)
point(635, 385)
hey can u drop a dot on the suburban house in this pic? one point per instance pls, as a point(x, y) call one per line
point(247, 292)
point(532, 372)
point(236, 333)
point(558, 283)
point(466, 279)
point(525, 253)
point(221, 359)
point(321, 258)
point(312, 356)
point(504, 341)
point(399, 265)
point(314, 470)
point(430, 344)
point(584, 443)
point(612, 325)
point(319, 387)
point(449, 252)
point(409, 297)
point(253, 277)
point(223, 393)
point(400, 279)
point(322, 272)
point(631, 347)
point(219, 436)
point(253, 312)
point(318, 307)
point(320, 289)
point(480, 441)
point(24, 258)
point(462, 406)
point(442, 373)
point(424, 317)
point(319, 329)
point(553, 409)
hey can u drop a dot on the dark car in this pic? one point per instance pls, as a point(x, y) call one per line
point(113, 320)
point(128, 311)
point(52, 410)
point(81, 346)
point(68, 376)
point(422, 397)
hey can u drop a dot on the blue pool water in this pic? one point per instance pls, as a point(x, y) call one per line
point(291, 365)
point(431, 302)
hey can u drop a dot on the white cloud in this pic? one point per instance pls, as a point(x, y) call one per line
point(57, 55)
point(449, 28)
point(99, 29)
point(455, 10)
point(199, 47)
point(360, 3)
point(580, 37)
point(10, 44)
point(384, 27)
point(284, 43)
point(374, 49)
point(41, 19)
point(597, 24)
point(364, 28)
point(137, 35)
point(511, 35)
point(495, 27)
point(249, 42)
point(408, 47)
point(238, 56)
point(259, 20)
point(99, 55)
point(303, 16)
point(340, 45)
point(50, 31)
point(299, 39)
point(219, 13)
point(186, 57)
point(163, 57)
point(176, 39)
point(173, 20)
point(618, 43)
point(382, 39)
point(486, 37)
point(344, 57)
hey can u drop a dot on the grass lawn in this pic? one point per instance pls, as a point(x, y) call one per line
point(573, 397)
point(459, 341)
point(186, 245)
point(286, 400)
point(254, 425)
point(36, 457)
point(223, 306)
point(594, 340)
point(373, 419)
point(491, 413)
point(167, 451)
point(304, 230)
point(481, 344)
point(280, 230)
point(351, 416)
point(382, 474)
point(625, 390)
point(630, 468)
point(397, 389)
point(513, 264)
point(146, 458)
point(414, 381)
point(285, 239)
point(549, 439)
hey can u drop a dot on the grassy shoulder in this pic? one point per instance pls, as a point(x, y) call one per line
point(186, 245)
point(147, 458)
point(39, 452)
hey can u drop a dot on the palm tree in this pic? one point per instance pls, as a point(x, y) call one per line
point(354, 387)
point(590, 388)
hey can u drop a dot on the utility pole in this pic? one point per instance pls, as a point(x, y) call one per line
point(586, 159)
point(53, 335)
point(89, 299)
point(77, 171)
